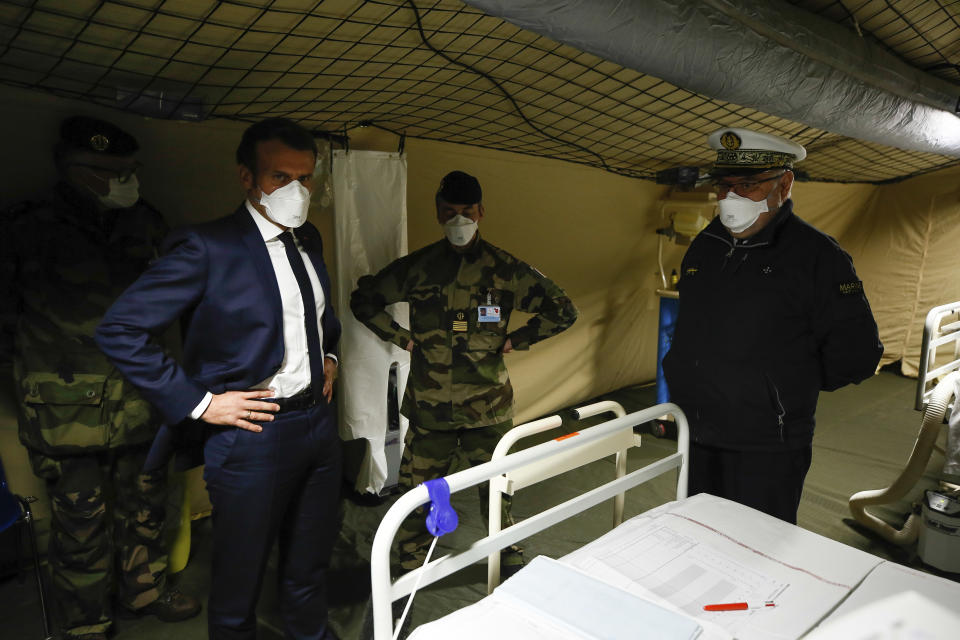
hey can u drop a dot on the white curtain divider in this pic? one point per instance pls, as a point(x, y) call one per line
point(370, 227)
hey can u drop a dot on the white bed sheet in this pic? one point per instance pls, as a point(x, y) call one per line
point(688, 553)
point(889, 579)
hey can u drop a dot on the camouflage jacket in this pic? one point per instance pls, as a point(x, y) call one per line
point(457, 375)
point(62, 264)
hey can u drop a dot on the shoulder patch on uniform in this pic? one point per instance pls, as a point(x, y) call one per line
point(852, 288)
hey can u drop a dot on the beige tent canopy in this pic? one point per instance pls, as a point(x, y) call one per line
point(441, 70)
point(567, 143)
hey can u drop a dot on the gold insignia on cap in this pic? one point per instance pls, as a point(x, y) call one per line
point(730, 140)
point(99, 142)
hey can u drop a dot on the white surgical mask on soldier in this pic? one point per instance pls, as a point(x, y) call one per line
point(459, 230)
point(121, 194)
point(288, 205)
point(738, 213)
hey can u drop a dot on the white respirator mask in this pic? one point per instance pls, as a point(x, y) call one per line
point(121, 194)
point(288, 205)
point(460, 230)
point(737, 213)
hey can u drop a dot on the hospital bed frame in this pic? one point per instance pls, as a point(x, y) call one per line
point(935, 398)
point(383, 593)
point(941, 329)
point(617, 444)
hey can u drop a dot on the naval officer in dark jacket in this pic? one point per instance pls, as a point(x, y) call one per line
point(771, 313)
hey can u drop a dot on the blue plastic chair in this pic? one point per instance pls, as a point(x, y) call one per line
point(15, 510)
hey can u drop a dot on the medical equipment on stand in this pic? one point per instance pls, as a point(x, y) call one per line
point(686, 214)
point(942, 328)
point(940, 533)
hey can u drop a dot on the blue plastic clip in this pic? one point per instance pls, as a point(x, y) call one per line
point(441, 518)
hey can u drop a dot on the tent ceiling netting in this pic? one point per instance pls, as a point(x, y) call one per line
point(444, 71)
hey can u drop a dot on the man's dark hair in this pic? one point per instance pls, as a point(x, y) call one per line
point(286, 131)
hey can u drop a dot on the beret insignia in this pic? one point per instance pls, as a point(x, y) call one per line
point(99, 142)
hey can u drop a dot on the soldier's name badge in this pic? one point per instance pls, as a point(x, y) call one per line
point(488, 314)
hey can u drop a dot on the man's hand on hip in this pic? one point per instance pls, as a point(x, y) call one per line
point(329, 375)
point(238, 408)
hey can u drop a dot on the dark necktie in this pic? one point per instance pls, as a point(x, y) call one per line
point(309, 313)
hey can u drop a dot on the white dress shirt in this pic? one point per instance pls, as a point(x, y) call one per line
point(294, 373)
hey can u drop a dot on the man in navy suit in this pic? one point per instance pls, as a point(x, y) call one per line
point(256, 377)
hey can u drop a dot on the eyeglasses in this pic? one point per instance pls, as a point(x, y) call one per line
point(103, 173)
point(742, 189)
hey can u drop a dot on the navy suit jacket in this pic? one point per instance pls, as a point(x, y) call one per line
point(217, 278)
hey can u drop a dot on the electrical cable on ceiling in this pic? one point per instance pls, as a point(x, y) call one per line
point(506, 94)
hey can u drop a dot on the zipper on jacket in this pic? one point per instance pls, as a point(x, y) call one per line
point(781, 412)
point(725, 241)
point(736, 265)
point(726, 258)
point(696, 364)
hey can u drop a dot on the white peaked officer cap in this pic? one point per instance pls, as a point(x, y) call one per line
point(744, 152)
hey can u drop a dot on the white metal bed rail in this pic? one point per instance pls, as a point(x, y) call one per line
point(937, 334)
point(508, 483)
point(383, 593)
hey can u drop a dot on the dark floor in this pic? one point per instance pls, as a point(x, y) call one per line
point(864, 435)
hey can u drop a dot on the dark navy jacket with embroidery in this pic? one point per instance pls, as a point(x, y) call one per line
point(766, 323)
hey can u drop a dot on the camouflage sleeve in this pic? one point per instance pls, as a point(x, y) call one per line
point(373, 293)
point(553, 310)
point(11, 299)
point(9, 283)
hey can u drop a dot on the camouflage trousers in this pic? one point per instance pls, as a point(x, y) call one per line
point(430, 454)
point(105, 534)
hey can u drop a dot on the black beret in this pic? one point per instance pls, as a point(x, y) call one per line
point(90, 134)
point(458, 187)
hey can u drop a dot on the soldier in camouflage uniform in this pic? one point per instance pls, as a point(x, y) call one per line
point(62, 263)
point(461, 291)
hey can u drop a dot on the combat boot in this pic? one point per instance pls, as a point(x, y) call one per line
point(511, 561)
point(171, 606)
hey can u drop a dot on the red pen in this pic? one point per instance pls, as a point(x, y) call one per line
point(738, 606)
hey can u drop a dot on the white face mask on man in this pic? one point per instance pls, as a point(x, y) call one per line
point(288, 205)
point(121, 194)
point(460, 230)
point(737, 213)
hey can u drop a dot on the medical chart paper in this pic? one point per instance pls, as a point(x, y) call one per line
point(706, 550)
